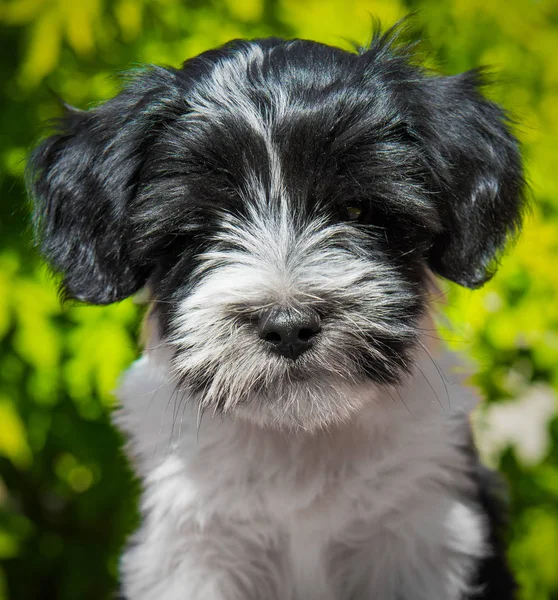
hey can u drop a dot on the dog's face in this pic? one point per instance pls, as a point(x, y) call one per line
point(283, 201)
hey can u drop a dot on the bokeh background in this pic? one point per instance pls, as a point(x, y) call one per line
point(67, 496)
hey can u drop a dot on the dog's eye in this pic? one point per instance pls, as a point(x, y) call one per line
point(354, 213)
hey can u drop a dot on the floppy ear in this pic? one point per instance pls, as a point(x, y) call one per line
point(83, 179)
point(476, 177)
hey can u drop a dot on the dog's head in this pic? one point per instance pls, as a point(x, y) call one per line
point(284, 202)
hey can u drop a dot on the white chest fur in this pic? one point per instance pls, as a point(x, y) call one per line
point(375, 509)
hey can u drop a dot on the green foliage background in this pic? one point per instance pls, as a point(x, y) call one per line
point(67, 497)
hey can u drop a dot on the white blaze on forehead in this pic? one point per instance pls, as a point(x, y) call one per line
point(226, 90)
point(225, 93)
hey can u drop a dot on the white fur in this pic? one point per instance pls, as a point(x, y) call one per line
point(373, 508)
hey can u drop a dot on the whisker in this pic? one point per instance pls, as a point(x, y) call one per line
point(431, 386)
point(440, 373)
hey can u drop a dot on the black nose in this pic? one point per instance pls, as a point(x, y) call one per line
point(289, 331)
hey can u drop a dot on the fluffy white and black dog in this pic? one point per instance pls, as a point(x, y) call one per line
point(285, 204)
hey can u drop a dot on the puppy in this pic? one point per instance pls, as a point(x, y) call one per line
point(285, 204)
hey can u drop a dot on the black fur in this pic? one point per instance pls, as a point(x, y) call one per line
point(84, 181)
point(494, 580)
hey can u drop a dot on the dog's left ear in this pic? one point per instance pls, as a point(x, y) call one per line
point(475, 177)
point(83, 181)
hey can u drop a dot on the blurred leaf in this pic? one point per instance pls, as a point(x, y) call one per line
point(44, 48)
point(13, 439)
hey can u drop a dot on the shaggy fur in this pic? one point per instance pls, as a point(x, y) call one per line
point(284, 203)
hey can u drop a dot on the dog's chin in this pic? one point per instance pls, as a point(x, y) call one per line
point(320, 389)
point(308, 405)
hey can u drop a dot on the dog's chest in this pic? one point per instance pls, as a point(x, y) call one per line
point(357, 531)
point(372, 512)
point(355, 527)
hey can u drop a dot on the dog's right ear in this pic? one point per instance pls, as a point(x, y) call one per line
point(83, 178)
